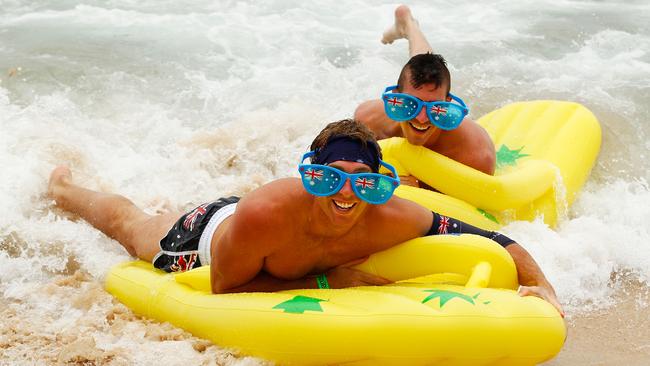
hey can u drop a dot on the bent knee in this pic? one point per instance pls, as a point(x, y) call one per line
point(124, 222)
point(147, 234)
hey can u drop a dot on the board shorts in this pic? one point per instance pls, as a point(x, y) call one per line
point(187, 244)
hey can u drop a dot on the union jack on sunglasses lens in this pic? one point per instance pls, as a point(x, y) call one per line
point(323, 180)
point(403, 107)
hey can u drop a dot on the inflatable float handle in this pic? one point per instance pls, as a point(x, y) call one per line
point(480, 276)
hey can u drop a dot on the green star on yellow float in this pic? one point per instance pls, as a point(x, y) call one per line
point(445, 296)
point(505, 156)
point(300, 304)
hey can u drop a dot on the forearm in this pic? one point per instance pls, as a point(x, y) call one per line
point(532, 280)
point(264, 282)
point(528, 271)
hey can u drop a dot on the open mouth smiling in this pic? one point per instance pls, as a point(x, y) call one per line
point(420, 128)
point(343, 206)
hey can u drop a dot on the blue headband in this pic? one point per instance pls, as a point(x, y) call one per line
point(348, 149)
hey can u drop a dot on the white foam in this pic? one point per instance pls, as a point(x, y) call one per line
point(173, 105)
point(603, 244)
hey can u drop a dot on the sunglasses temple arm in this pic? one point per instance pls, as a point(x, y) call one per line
point(460, 101)
point(392, 170)
point(390, 88)
point(307, 155)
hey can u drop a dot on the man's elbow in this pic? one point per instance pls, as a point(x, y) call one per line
point(489, 161)
point(484, 160)
point(229, 286)
point(217, 288)
point(485, 157)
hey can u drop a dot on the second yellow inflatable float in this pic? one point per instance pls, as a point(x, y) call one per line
point(545, 151)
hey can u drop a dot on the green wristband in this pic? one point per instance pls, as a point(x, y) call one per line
point(321, 280)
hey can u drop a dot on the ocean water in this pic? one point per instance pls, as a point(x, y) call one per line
point(174, 103)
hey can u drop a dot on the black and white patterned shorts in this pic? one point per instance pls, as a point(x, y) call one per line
point(187, 244)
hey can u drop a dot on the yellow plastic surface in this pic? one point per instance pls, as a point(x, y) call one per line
point(545, 151)
point(454, 304)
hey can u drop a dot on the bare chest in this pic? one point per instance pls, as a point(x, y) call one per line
point(308, 256)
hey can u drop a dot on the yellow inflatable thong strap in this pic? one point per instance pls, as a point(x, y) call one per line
point(454, 303)
point(500, 192)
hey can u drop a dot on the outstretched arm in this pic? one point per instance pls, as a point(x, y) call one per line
point(531, 278)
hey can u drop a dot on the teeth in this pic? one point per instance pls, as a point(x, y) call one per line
point(420, 128)
point(343, 205)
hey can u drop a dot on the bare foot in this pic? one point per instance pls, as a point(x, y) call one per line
point(59, 177)
point(404, 22)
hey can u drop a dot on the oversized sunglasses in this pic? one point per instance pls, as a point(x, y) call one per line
point(324, 180)
point(403, 107)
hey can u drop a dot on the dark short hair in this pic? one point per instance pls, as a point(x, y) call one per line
point(426, 68)
point(349, 128)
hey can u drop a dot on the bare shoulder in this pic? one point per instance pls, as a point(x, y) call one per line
point(371, 113)
point(409, 210)
point(257, 228)
point(469, 144)
point(402, 219)
point(267, 206)
point(473, 129)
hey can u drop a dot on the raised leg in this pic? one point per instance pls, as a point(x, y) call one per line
point(407, 27)
point(114, 215)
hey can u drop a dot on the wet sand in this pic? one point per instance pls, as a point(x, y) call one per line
point(618, 335)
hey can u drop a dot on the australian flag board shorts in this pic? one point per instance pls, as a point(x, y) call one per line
point(187, 244)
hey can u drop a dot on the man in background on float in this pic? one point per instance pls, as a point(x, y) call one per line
point(421, 108)
point(290, 233)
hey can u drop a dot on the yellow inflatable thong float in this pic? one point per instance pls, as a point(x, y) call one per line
point(545, 151)
point(454, 303)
